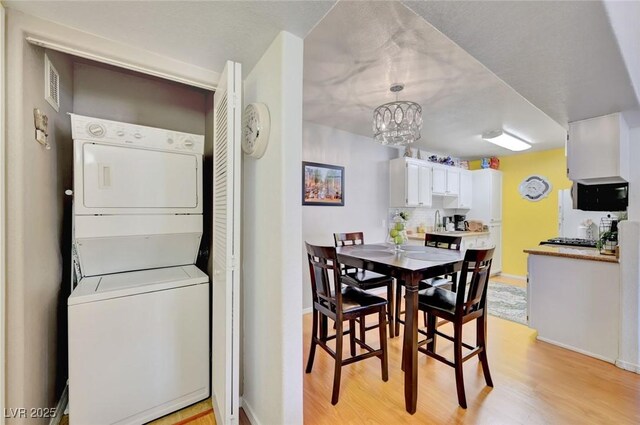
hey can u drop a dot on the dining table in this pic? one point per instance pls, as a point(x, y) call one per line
point(409, 265)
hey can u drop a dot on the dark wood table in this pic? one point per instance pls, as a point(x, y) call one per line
point(409, 267)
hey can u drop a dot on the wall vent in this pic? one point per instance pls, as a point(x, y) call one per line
point(51, 84)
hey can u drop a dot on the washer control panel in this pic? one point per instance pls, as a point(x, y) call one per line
point(114, 132)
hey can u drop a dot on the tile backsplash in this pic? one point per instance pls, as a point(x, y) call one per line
point(424, 216)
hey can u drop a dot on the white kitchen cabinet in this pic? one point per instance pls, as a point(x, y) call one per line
point(446, 180)
point(465, 191)
point(409, 183)
point(575, 304)
point(439, 184)
point(453, 182)
point(465, 199)
point(487, 196)
point(495, 239)
point(598, 150)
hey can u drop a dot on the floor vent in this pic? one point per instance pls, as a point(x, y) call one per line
point(51, 84)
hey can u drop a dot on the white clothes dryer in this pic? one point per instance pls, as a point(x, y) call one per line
point(124, 168)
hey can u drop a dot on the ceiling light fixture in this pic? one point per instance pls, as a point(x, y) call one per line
point(397, 123)
point(506, 140)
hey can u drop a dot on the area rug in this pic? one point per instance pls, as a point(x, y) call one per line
point(507, 302)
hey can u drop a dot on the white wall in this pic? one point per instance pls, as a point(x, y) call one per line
point(366, 193)
point(35, 210)
point(271, 238)
point(634, 178)
point(629, 355)
point(116, 94)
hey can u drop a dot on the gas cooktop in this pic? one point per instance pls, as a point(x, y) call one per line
point(587, 243)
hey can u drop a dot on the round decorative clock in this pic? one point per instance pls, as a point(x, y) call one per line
point(535, 188)
point(255, 133)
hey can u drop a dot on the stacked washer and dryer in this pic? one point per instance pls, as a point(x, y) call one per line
point(139, 315)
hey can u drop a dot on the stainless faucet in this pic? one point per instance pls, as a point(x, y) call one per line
point(436, 227)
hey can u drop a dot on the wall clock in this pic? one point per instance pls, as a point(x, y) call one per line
point(255, 133)
point(535, 188)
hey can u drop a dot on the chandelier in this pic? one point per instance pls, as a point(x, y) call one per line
point(397, 123)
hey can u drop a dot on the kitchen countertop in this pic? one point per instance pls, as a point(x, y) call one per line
point(420, 236)
point(571, 252)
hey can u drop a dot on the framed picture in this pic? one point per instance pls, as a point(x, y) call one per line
point(322, 184)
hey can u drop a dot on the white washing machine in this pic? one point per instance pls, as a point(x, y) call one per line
point(139, 316)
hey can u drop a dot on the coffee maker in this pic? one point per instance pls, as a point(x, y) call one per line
point(459, 221)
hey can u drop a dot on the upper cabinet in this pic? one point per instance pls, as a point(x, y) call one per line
point(413, 182)
point(487, 196)
point(409, 183)
point(459, 194)
point(598, 150)
point(446, 180)
point(466, 190)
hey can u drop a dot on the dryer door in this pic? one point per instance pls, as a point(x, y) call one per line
point(114, 180)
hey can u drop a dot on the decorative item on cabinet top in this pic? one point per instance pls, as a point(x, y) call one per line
point(535, 188)
point(322, 184)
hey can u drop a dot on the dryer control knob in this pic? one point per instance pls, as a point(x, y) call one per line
point(95, 129)
point(137, 135)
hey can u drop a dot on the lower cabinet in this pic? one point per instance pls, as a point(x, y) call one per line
point(575, 304)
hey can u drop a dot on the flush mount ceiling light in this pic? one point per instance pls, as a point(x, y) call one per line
point(397, 123)
point(506, 140)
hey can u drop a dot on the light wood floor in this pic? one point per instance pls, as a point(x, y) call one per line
point(510, 281)
point(535, 383)
point(197, 414)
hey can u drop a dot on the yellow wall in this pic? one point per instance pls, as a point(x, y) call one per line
point(526, 223)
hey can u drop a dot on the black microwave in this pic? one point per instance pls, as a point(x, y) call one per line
point(601, 197)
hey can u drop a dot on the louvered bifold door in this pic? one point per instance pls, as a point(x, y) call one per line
point(226, 245)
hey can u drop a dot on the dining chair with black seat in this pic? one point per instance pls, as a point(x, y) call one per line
point(435, 241)
point(365, 279)
point(460, 307)
point(340, 303)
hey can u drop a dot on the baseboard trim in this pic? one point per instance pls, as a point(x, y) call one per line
point(577, 350)
point(628, 366)
point(307, 310)
point(216, 408)
point(249, 412)
point(61, 406)
point(513, 276)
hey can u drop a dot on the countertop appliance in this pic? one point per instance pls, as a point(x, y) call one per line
point(601, 197)
point(459, 221)
point(572, 222)
point(578, 242)
point(139, 316)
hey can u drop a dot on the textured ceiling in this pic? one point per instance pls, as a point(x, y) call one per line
point(561, 55)
point(359, 50)
point(203, 33)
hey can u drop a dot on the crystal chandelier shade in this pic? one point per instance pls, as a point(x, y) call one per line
point(397, 123)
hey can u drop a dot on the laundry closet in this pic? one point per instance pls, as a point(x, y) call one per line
point(136, 168)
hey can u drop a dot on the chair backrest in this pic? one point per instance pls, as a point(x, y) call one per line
point(478, 263)
point(443, 241)
point(346, 239)
point(323, 263)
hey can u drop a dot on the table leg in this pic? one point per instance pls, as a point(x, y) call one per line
point(410, 344)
